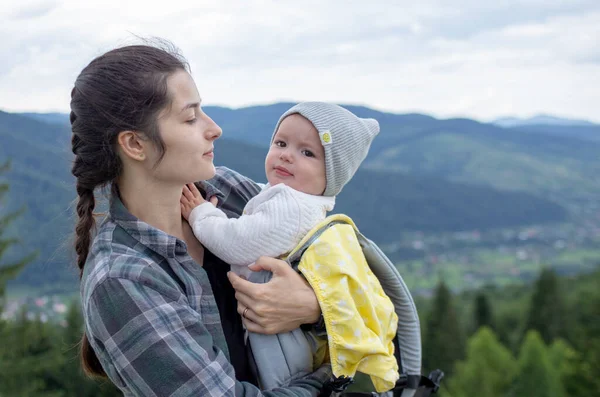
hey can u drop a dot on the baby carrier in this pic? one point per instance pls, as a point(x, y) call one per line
point(278, 359)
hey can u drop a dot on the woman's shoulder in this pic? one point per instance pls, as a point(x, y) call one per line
point(232, 189)
point(226, 179)
point(114, 257)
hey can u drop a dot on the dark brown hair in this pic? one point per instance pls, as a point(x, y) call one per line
point(122, 90)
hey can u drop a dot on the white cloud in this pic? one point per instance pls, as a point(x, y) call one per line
point(461, 58)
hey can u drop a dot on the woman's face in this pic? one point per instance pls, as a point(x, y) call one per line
point(188, 135)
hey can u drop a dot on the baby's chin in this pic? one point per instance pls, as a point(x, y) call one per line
point(302, 189)
point(275, 180)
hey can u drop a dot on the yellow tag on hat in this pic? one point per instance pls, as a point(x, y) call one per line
point(325, 137)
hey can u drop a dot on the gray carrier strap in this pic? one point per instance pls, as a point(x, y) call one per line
point(280, 358)
point(409, 327)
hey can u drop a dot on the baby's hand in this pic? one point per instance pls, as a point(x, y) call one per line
point(191, 198)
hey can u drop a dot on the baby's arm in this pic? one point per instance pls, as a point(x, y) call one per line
point(271, 230)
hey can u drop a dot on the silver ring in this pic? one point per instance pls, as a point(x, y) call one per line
point(244, 312)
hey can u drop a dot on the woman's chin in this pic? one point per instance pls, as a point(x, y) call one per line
point(207, 173)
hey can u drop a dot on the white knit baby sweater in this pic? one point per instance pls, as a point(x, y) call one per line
point(272, 224)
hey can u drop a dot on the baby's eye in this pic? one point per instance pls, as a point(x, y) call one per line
point(279, 143)
point(308, 153)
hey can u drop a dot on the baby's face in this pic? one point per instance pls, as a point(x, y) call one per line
point(296, 157)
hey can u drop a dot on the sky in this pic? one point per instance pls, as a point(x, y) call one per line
point(460, 58)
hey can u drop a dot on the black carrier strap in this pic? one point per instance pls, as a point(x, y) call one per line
point(426, 386)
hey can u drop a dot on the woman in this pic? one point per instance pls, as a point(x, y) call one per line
point(160, 314)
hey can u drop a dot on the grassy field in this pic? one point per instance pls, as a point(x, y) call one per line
point(501, 266)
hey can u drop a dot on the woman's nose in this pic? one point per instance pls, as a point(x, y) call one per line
point(213, 131)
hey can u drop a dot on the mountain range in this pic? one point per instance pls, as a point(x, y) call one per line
point(422, 174)
point(541, 119)
point(556, 162)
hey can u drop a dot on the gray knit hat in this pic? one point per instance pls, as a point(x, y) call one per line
point(345, 137)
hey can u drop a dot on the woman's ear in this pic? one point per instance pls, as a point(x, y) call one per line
point(133, 145)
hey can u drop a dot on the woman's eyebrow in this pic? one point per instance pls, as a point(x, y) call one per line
point(190, 106)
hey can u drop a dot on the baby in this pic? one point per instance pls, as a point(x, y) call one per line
point(315, 150)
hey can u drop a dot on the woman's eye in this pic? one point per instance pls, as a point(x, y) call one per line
point(308, 153)
point(192, 121)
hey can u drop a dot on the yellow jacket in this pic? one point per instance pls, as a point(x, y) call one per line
point(360, 319)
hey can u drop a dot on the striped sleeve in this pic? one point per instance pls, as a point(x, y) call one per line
point(156, 342)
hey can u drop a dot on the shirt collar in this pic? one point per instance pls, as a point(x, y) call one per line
point(210, 190)
point(160, 242)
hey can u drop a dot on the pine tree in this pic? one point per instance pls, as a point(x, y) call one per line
point(509, 320)
point(482, 312)
point(488, 370)
point(30, 361)
point(567, 364)
point(9, 270)
point(443, 342)
point(587, 339)
point(74, 325)
point(535, 375)
point(39, 358)
point(546, 311)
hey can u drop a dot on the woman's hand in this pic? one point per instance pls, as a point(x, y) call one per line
point(280, 305)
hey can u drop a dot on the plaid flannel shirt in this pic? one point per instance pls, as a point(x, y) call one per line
point(150, 313)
